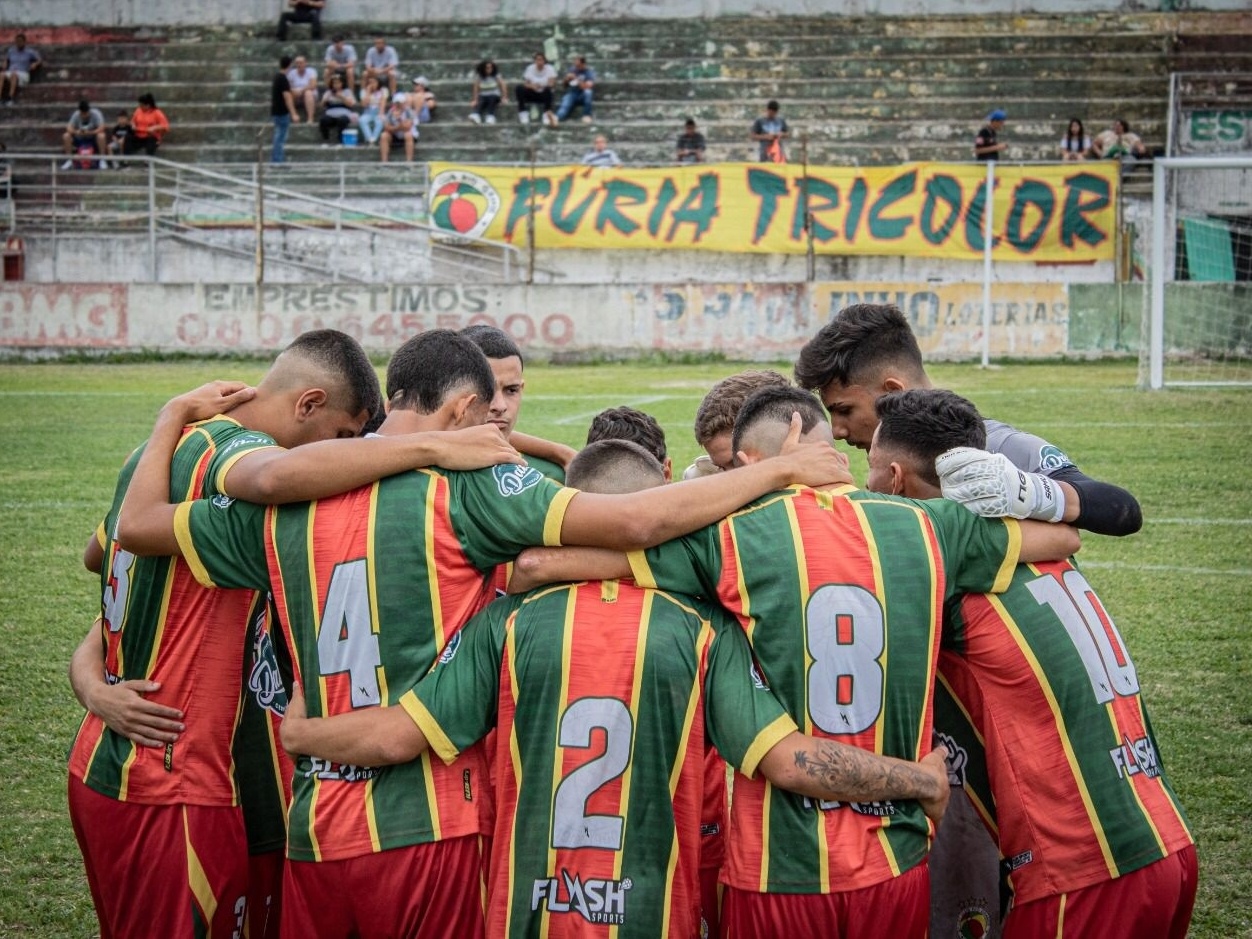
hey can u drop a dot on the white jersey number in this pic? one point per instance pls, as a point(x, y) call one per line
point(1091, 629)
point(846, 636)
point(346, 641)
point(572, 827)
point(117, 591)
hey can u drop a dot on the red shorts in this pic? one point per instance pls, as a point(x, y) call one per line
point(899, 908)
point(1153, 901)
point(424, 891)
point(710, 901)
point(161, 870)
point(265, 894)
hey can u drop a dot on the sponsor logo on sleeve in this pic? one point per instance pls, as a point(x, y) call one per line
point(1052, 458)
point(222, 501)
point(449, 651)
point(513, 480)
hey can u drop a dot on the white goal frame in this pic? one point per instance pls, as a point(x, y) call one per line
point(1162, 258)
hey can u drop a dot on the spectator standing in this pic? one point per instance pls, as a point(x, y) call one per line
point(338, 110)
point(1118, 142)
point(690, 144)
point(20, 63)
point(341, 60)
point(489, 91)
point(282, 109)
point(302, 11)
point(382, 62)
point(117, 136)
point(580, 82)
point(422, 100)
point(600, 154)
point(149, 126)
point(303, 78)
point(986, 144)
point(374, 106)
point(536, 88)
point(85, 129)
point(770, 130)
point(1075, 145)
point(399, 126)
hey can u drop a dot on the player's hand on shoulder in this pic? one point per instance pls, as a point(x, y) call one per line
point(814, 463)
point(209, 400)
point(988, 484)
point(476, 448)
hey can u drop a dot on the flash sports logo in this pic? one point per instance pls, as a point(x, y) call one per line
point(1134, 757)
point(597, 901)
point(513, 480)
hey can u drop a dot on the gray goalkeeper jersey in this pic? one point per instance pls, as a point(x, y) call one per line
point(1025, 451)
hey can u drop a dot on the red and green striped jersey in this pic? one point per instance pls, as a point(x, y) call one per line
point(369, 586)
point(604, 694)
point(840, 596)
point(159, 624)
point(1039, 679)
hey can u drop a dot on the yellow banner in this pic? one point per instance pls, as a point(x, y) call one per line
point(1059, 212)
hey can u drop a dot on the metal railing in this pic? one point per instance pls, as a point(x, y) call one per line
point(338, 221)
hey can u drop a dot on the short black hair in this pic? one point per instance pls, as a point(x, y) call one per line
point(614, 467)
point(927, 422)
point(857, 342)
point(84, 105)
point(494, 342)
point(147, 99)
point(342, 358)
point(690, 122)
point(432, 365)
point(285, 62)
point(776, 405)
point(771, 105)
point(626, 423)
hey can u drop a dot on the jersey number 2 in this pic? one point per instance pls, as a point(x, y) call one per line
point(346, 641)
point(572, 827)
point(846, 636)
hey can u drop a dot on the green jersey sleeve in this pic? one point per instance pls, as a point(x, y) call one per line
point(691, 564)
point(741, 715)
point(223, 542)
point(554, 471)
point(232, 443)
point(497, 512)
point(455, 704)
point(979, 554)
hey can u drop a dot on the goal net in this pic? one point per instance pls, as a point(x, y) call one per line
point(1198, 330)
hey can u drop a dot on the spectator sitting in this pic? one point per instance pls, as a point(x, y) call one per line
point(770, 131)
point(1119, 143)
point(536, 88)
point(600, 154)
point(303, 78)
point(117, 136)
point(374, 102)
point(148, 126)
point(1075, 145)
point(20, 63)
point(338, 110)
point(580, 83)
point(85, 129)
point(489, 91)
point(382, 62)
point(986, 146)
point(302, 11)
point(690, 144)
point(422, 100)
point(341, 60)
point(399, 124)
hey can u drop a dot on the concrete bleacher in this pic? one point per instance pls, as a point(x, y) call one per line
point(865, 91)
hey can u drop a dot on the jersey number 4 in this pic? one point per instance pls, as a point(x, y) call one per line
point(572, 827)
point(346, 641)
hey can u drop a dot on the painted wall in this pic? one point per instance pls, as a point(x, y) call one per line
point(125, 13)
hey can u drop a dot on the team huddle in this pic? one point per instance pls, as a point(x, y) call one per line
point(449, 680)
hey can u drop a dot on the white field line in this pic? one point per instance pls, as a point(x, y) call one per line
point(1167, 568)
point(588, 415)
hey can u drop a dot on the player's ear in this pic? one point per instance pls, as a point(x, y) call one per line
point(898, 481)
point(461, 409)
point(891, 383)
point(310, 402)
point(669, 470)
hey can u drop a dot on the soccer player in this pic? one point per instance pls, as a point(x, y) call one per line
point(1090, 830)
point(370, 585)
point(167, 649)
point(715, 417)
point(505, 358)
point(605, 695)
point(626, 423)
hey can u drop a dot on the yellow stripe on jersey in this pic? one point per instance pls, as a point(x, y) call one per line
point(380, 673)
point(1058, 717)
point(1147, 816)
point(1004, 577)
point(988, 816)
point(567, 648)
point(609, 590)
point(197, 880)
point(102, 537)
point(315, 605)
point(745, 602)
point(766, 799)
point(220, 480)
point(704, 637)
point(187, 545)
point(435, 736)
point(640, 570)
point(1173, 805)
point(556, 517)
point(769, 737)
point(432, 571)
point(515, 759)
point(371, 822)
point(1060, 918)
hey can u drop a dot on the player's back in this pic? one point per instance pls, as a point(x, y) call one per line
point(160, 624)
point(1074, 780)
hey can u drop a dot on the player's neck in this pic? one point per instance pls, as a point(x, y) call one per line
point(402, 421)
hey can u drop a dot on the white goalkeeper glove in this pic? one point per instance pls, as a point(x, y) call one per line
point(988, 484)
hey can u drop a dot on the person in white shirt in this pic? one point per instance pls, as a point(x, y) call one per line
point(600, 154)
point(382, 62)
point(303, 78)
point(341, 60)
point(536, 88)
point(399, 126)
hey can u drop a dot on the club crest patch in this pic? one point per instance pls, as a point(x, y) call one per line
point(1052, 458)
point(513, 480)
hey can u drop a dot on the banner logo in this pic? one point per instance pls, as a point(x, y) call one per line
point(462, 205)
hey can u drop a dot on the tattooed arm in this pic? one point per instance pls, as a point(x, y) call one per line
point(824, 769)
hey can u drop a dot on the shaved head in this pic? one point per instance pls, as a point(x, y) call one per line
point(765, 419)
point(614, 467)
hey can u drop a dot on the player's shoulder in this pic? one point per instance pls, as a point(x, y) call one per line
point(1025, 450)
point(506, 480)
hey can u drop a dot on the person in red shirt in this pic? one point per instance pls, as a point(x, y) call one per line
point(148, 126)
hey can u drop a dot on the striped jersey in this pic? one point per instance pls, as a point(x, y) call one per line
point(1039, 681)
point(840, 596)
point(369, 586)
point(159, 624)
point(604, 693)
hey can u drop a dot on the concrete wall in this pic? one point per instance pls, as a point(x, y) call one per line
point(127, 13)
point(739, 320)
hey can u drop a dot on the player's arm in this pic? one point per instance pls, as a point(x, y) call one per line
point(535, 567)
point(93, 553)
point(826, 769)
point(272, 476)
point(1044, 542)
point(123, 707)
point(549, 450)
point(365, 737)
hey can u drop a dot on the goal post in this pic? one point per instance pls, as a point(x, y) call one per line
point(1198, 328)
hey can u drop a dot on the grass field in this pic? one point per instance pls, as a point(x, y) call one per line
point(1180, 591)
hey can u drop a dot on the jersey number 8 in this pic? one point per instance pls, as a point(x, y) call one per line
point(845, 633)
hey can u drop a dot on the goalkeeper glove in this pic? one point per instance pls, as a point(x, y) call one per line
point(988, 484)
